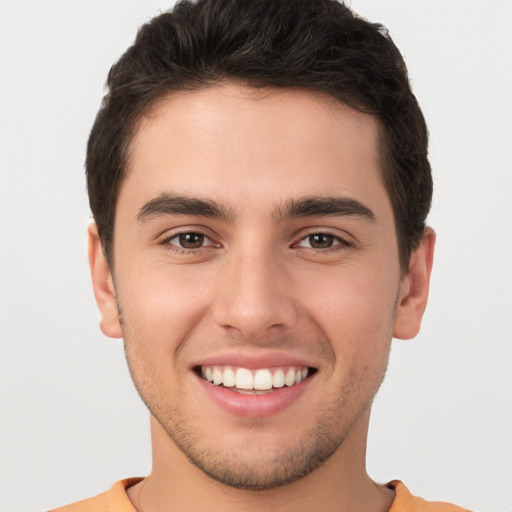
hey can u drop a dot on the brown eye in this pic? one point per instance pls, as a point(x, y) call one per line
point(321, 241)
point(191, 240)
point(191, 243)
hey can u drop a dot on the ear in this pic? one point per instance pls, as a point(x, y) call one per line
point(103, 286)
point(413, 296)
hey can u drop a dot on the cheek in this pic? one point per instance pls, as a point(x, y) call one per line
point(161, 304)
point(160, 307)
point(353, 307)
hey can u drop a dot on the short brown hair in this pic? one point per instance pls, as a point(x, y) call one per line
point(315, 44)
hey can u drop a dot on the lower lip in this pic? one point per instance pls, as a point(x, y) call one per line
point(254, 406)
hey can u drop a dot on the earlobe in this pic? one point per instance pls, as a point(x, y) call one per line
point(103, 286)
point(413, 296)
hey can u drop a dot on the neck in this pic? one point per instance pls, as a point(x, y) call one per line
point(340, 483)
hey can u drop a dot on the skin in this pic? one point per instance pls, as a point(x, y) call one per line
point(323, 288)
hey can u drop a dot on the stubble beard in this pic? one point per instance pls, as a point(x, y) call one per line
point(239, 470)
point(334, 423)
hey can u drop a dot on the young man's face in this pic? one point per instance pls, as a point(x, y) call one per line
point(254, 244)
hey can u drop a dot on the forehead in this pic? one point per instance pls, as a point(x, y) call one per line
point(237, 142)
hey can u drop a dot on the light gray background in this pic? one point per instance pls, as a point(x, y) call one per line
point(71, 422)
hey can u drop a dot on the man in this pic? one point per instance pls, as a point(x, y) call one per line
point(259, 181)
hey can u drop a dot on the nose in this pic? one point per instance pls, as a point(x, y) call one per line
point(254, 297)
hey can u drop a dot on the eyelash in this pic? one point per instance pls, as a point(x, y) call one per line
point(339, 243)
point(166, 242)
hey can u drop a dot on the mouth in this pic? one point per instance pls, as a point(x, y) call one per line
point(254, 381)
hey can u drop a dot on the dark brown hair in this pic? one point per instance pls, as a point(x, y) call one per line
point(315, 44)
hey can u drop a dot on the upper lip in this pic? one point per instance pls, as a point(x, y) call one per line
point(253, 361)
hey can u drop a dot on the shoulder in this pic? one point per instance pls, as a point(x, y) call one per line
point(113, 500)
point(406, 502)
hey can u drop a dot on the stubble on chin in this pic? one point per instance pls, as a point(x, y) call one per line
point(246, 465)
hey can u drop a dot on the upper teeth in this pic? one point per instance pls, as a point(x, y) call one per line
point(261, 379)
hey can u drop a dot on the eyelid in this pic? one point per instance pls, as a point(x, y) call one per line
point(343, 239)
point(178, 235)
point(304, 240)
point(338, 244)
point(170, 234)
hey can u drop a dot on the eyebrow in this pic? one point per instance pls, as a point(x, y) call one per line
point(315, 206)
point(321, 206)
point(170, 204)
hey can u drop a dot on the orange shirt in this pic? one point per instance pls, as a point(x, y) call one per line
point(116, 500)
point(406, 502)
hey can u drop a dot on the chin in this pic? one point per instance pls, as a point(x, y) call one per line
point(258, 459)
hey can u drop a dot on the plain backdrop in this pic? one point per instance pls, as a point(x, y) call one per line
point(71, 422)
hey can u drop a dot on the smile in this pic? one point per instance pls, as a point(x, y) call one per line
point(255, 381)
